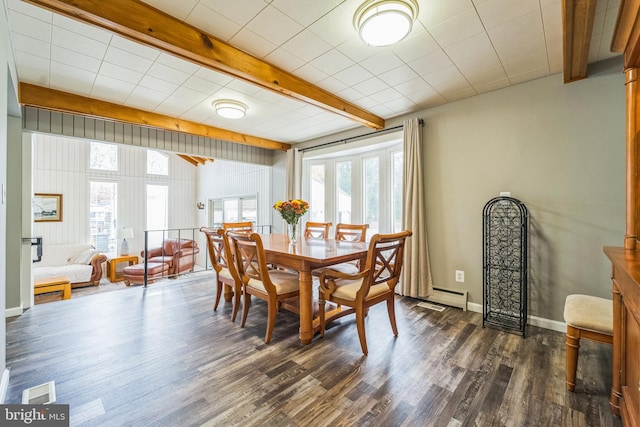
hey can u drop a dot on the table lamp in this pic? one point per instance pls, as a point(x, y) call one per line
point(125, 233)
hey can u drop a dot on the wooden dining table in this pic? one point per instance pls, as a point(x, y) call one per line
point(304, 256)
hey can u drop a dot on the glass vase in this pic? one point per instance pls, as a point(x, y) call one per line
point(292, 232)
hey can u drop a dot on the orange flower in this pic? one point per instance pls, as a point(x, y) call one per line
point(291, 210)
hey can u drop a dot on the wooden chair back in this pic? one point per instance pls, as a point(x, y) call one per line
point(317, 230)
point(352, 232)
point(243, 226)
point(215, 248)
point(384, 259)
point(250, 258)
point(227, 258)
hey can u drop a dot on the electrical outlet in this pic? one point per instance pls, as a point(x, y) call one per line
point(459, 276)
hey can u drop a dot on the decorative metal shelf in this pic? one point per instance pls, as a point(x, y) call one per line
point(504, 291)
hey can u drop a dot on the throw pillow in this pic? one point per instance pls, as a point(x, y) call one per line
point(83, 257)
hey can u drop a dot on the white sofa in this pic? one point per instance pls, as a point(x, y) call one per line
point(81, 263)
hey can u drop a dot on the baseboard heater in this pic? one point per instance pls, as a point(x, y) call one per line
point(449, 297)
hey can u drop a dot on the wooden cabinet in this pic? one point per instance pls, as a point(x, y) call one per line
point(625, 390)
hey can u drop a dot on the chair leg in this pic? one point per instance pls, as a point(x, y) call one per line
point(361, 332)
point(573, 345)
point(272, 310)
point(391, 309)
point(236, 302)
point(245, 308)
point(218, 294)
point(321, 315)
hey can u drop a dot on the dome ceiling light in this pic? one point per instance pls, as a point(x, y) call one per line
point(385, 22)
point(230, 109)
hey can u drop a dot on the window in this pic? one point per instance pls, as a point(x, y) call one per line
point(157, 163)
point(343, 171)
point(233, 209)
point(397, 162)
point(316, 195)
point(102, 215)
point(103, 156)
point(371, 180)
point(157, 212)
point(361, 185)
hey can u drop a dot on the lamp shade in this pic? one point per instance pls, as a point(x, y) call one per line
point(230, 109)
point(125, 233)
point(385, 22)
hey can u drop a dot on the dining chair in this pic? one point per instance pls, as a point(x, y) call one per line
point(272, 286)
point(373, 285)
point(351, 232)
point(226, 271)
point(242, 226)
point(317, 230)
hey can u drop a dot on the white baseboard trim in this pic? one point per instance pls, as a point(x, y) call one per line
point(541, 322)
point(4, 386)
point(13, 311)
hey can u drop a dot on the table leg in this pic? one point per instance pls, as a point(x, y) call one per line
point(228, 293)
point(306, 307)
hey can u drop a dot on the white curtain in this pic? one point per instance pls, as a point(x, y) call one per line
point(416, 271)
point(294, 174)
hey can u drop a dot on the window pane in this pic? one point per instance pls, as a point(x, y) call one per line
point(157, 163)
point(231, 210)
point(343, 170)
point(217, 216)
point(250, 210)
point(316, 201)
point(396, 206)
point(157, 212)
point(102, 215)
point(371, 195)
point(103, 156)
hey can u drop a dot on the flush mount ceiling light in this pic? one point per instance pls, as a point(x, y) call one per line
point(230, 109)
point(385, 22)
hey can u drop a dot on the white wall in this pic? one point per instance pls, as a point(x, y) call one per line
point(61, 166)
point(224, 178)
point(558, 148)
point(8, 90)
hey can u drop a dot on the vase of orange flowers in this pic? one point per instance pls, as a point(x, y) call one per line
point(292, 211)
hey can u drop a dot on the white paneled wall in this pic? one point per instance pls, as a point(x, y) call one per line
point(224, 178)
point(61, 165)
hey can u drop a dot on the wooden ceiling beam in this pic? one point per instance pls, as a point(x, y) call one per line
point(188, 159)
point(195, 160)
point(144, 24)
point(626, 34)
point(577, 27)
point(51, 99)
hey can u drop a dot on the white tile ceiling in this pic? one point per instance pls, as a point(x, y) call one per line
point(458, 49)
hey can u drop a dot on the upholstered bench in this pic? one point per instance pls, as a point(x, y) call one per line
point(589, 318)
point(134, 274)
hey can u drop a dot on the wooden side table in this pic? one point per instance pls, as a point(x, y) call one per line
point(52, 284)
point(113, 263)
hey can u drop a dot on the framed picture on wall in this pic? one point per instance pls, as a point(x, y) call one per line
point(47, 207)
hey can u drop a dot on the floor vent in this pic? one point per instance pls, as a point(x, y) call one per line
point(449, 297)
point(43, 394)
point(430, 306)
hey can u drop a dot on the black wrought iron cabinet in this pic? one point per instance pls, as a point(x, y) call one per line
point(504, 291)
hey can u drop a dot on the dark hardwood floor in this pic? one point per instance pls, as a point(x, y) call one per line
point(162, 357)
